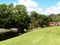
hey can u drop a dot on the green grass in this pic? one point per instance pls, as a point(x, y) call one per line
point(46, 36)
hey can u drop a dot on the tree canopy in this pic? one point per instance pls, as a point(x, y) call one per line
point(17, 17)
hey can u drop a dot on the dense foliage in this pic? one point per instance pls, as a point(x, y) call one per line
point(17, 17)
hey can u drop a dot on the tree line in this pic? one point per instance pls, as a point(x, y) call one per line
point(17, 17)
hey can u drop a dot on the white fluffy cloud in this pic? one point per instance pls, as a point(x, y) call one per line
point(33, 6)
point(58, 3)
point(30, 4)
point(53, 9)
point(15, 3)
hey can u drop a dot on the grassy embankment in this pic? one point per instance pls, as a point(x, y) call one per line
point(45, 36)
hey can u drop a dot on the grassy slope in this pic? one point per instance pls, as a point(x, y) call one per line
point(46, 36)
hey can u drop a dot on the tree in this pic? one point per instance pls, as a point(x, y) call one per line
point(3, 14)
point(38, 20)
point(43, 20)
point(54, 17)
point(33, 20)
point(21, 17)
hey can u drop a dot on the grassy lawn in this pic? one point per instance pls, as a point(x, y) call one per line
point(46, 36)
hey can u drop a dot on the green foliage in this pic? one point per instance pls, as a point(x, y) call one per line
point(38, 20)
point(54, 17)
point(17, 17)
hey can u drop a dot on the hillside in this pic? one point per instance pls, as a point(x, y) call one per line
point(46, 36)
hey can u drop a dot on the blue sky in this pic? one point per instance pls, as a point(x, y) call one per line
point(39, 6)
point(42, 3)
point(46, 3)
point(7, 1)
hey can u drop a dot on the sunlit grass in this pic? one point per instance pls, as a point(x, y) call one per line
point(46, 36)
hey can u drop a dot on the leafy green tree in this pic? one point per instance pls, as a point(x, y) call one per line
point(33, 20)
point(3, 14)
point(54, 17)
point(21, 17)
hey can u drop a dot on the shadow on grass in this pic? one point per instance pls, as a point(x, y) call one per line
point(8, 35)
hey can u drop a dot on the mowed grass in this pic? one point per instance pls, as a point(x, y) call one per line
point(45, 36)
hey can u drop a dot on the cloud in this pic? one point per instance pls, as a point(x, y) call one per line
point(15, 3)
point(31, 5)
point(34, 6)
point(53, 9)
point(58, 3)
